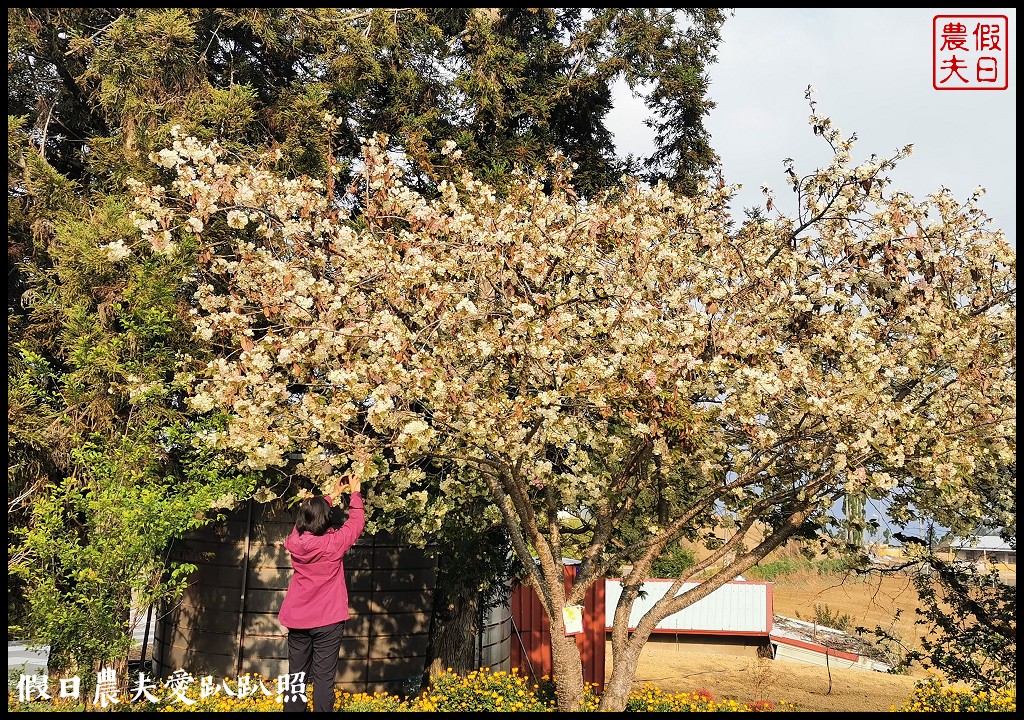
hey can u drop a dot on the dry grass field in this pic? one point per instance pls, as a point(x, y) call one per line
point(673, 668)
point(868, 602)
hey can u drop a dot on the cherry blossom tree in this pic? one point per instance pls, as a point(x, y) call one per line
point(559, 354)
point(92, 91)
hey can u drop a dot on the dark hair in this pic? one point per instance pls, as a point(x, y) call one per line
point(314, 516)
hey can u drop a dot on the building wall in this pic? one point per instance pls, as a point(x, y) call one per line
point(737, 608)
point(810, 656)
point(998, 557)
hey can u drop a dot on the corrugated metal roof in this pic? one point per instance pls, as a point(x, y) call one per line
point(736, 608)
point(984, 538)
point(982, 542)
point(819, 638)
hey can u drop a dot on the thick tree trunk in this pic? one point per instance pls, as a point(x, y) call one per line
point(454, 625)
point(618, 686)
point(568, 669)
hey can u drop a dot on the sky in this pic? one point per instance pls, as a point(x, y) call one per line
point(872, 70)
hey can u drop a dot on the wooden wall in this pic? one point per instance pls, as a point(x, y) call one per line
point(226, 623)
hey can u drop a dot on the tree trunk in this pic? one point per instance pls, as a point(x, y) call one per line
point(568, 668)
point(619, 685)
point(454, 625)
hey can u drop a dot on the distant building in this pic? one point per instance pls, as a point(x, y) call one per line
point(986, 546)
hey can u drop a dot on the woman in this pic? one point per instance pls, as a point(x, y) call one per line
point(315, 606)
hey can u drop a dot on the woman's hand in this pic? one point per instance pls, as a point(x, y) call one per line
point(346, 484)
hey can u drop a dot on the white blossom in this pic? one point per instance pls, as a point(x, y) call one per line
point(116, 251)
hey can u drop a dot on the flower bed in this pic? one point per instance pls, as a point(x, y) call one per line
point(479, 691)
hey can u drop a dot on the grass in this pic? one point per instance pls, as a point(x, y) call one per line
point(788, 566)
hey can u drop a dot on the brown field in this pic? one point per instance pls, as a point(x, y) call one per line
point(810, 689)
point(869, 602)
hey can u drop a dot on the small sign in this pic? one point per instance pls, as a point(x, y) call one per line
point(572, 619)
point(970, 52)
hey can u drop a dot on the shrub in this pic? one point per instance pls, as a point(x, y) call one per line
point(673, 562)
point(778, 568)
point(481, 691)
point(364, 702)
point(651, 699)
point(783, 566)
point(825, 617)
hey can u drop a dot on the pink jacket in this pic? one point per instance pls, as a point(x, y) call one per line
point(317, 594)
